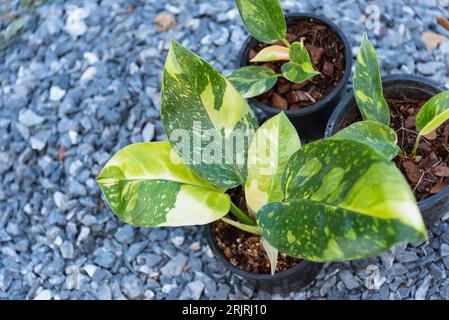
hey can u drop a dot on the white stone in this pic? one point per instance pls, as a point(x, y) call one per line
point(148, 132)
point(89, 74)
point(75, 24)
point(56, 93)
point(90, 269)
point(59, 199)
point(30, 118)
point(43, 295)
point(90, 57)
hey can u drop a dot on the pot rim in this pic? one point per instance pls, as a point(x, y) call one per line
point(245, 274)
point(334, 93)
point(391, 78)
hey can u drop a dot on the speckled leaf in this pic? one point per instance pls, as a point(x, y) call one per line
point(374, 134)
point(198, 100)
point(264, 19)
point(433, 113)
point(272, 53)
point(272, 145)
point(146, 184)
point(368, 85)
point(253, 81)
point(300, 68)
point(343, 200)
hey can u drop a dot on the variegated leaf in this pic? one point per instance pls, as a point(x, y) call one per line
point(272, 254)
point(343, 201)
point(368, 85)
point(207, 121)
point(272, 53)
point(264, 19)
point(272, 145)
point(253, 81)
point(374, 134)
point(300, 68)
point(146, 184)
point(433, 113)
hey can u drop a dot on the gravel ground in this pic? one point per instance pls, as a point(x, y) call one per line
point(74, 93)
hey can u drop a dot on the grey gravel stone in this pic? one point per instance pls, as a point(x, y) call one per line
point(175, 266)
point(104, 258)
point(196, 289)
point(422, 289)
point(132, 286)
point(30, 118)
point(349, 280)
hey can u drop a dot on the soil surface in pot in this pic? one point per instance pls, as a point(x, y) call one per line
point(428, 172)
point(244, 250)
point(328, 56)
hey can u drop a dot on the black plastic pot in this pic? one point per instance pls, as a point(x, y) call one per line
point(397, 86)
point(310, 122)
point(283, 282)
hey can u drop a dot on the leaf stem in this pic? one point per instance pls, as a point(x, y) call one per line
point(285, 41)
point(415, 148)
point(247, 228)
point(240, 215)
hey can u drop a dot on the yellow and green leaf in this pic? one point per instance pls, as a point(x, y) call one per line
point(368, 85)
point(272, 145)
point(147, 184)
point(433, 113)
point(300, 67)
point(374, 134)
point(264, 19)
point(272, 53)
point(252, 81)
point(198, 100)
point(343, 201)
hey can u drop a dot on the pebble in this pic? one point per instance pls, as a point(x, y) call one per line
point(132, 286)
point(29, 118)
point(175, 266)
point(56, 93)
point(148, 132)
point(104, 258)
point(44, 295)
point(196, 289)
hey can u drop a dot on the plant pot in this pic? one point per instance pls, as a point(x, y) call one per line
point(293, 279)
point(413, 87)
point(309, 121)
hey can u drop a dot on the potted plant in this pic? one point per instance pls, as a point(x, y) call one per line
point(407, 114)
point(256, 188)
point(298, 64)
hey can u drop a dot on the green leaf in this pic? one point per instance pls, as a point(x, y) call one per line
point(264, 19)
point(146, 184)
point(343, 201)
point(368, 85)
point(300, 68)
point(272, 53)
point(374, 134)
point(207, 121)
point(433, 113)
point(272, 145)
point(253, 81)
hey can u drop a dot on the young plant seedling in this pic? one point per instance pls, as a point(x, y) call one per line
point(375, 130)
point(313, 202)
point(265, 21)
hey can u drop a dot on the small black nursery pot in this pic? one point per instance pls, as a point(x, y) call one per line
point(293, 279)
point(310, 121)
point(397, 87)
